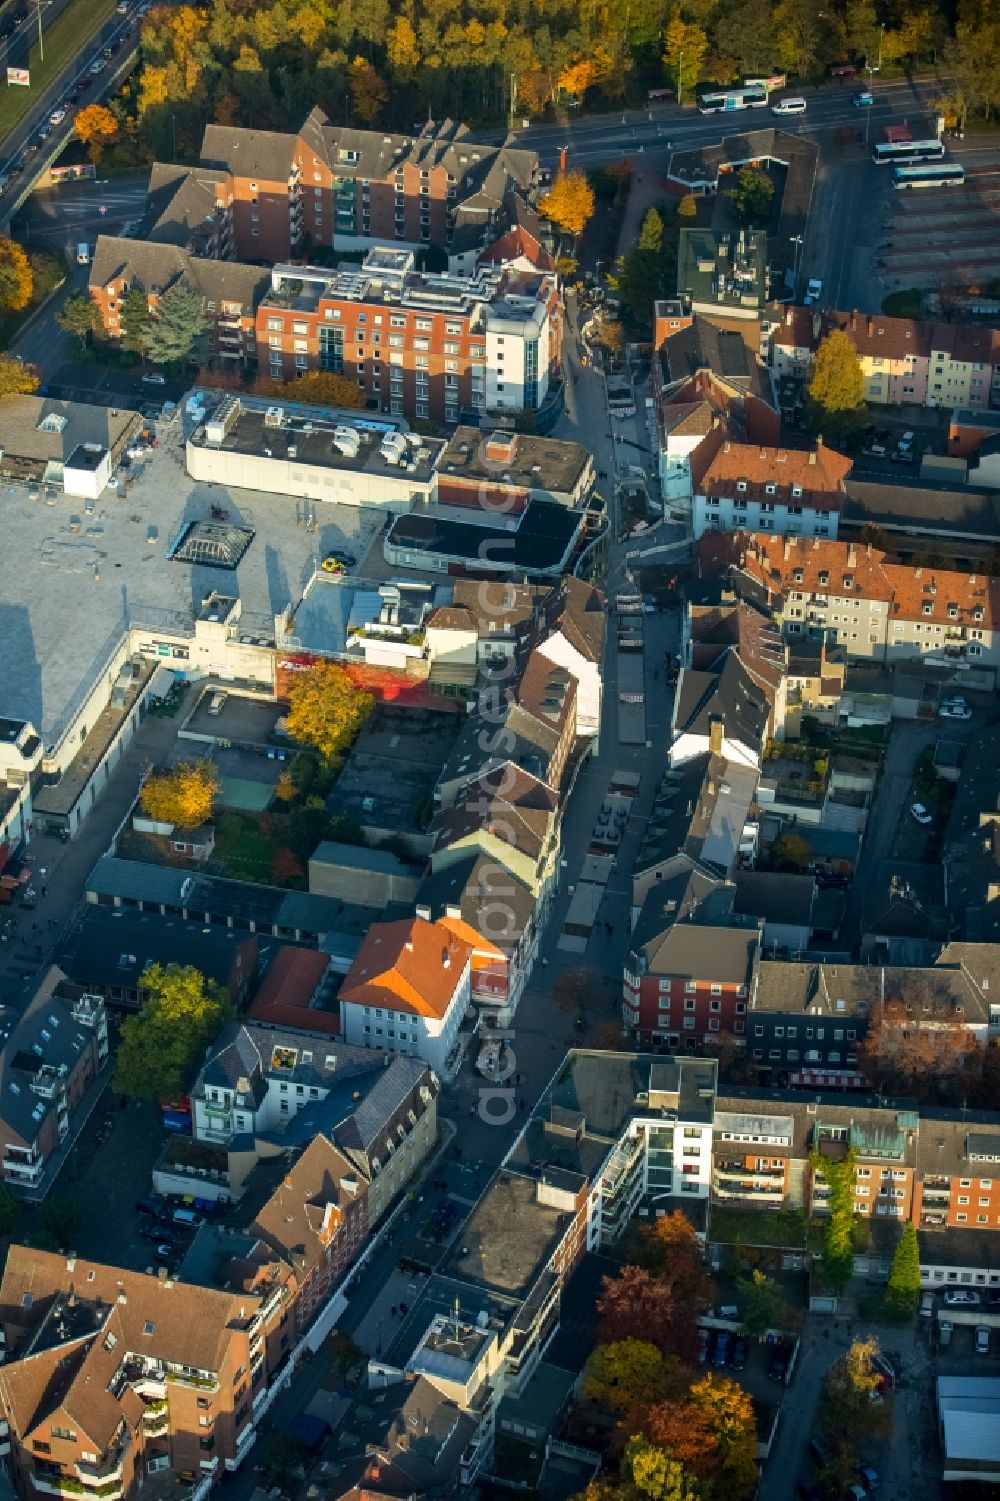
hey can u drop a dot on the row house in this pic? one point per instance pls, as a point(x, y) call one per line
point(687, 982)
point(230, 291)
point(744, 486)
point(49, 1066)
point(853, 596)
point(110, 1375)
point(417, 345)
point(903, 360)
point(264, 1088)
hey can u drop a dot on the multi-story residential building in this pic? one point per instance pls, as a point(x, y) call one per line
point(958, 1171)
point(317, 1221)
point(110, 1375)
point(264, 1089)
point(903, 360)
point(853, 595)
point(687, 982)
point(230, 291)
point(49, 1068)
point(722, 711)
point(417, 344)
point(262, 195)
point(740, 485)
point(409, 988)
point(513, 819)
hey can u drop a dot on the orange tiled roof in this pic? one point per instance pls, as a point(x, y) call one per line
point(820, 473)
point(410, 965)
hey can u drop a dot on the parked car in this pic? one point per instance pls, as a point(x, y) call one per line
point(982, 1340)
point(814, 291)
point(862, 100)
point(945, 1330)
point(955, 711)
point(738, 1354)
point(906, 440)
point(927, 1305)
point(154, 379)
point(993, 1298)
point(789, 107)
point(876, 450)
point(777, 1368)
point(97, 66)
point(57, 116)
point(962, 1297)
point(155, 1233)
point(152, 1208)
point(217, 703)
point(721, 1350)
point(920, 813)
point(903, 456)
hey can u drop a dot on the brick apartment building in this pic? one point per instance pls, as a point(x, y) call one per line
point(419, 346)
point(687, 982)
point(230, 290)
point(110, 1374)
point(57, 1050)
point(766, 489)
point(261, 195)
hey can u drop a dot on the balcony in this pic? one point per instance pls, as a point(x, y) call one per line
point(103, 1471)
point(737, 1170)
point(200, 1383)
point(20, 1171)
point(940, 1196)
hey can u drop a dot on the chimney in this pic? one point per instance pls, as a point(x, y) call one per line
point(408, 945)
point(812, 456)
point(854, 318)
point(445, 959)
point(716, 728)
point(869, 549)
point(788, 317)
point(852, 556)
point(786, 549)
point(871, 325)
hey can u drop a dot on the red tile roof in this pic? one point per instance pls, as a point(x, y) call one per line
point(289, 986)
point(819, 475)
point(412, 966)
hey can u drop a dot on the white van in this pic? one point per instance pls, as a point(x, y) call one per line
point(789, 107)
point(83, 254)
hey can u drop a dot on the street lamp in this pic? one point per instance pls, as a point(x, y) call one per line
point(797, 241)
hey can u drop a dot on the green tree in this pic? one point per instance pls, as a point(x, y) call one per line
point(76, 315)
point(569, 203)
point(179, 326)
point(10, 1207)
point(135, 322)
point(837, 383)
point(746, 35)
point(764, 1305)
point(752, 195)
point(624, 1374)
point(791, 849)
point(687, 208)
point(837, 1173)
point(904, 1274)
point(60, 1220)
point(848, 1391)
point(161, 1047)
point(642, 273)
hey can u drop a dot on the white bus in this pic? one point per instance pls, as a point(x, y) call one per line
point(902, 153)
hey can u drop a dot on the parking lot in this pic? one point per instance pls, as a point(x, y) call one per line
point(942, 234)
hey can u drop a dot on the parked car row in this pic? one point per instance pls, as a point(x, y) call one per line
point(718, 1347)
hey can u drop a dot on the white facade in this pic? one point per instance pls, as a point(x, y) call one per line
point(392, 1030)
point(383, 489)
point(90, 475)
point(518, 351)
point(732, 513)
point(586, 674)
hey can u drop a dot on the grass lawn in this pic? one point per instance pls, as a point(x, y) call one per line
point(63, 40)
point(784, 1228)
point(49, 272)
point(243, 847)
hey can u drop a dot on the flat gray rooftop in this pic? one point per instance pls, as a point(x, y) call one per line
point(109, 574)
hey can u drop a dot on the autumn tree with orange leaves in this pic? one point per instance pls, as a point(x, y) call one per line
point(712, 1433)
point(16, 279)
point(923, 1049)
point(368, 91)
point(569, 203)
point(97, 128)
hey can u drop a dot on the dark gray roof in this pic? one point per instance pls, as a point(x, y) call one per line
point(775, 896)
point(159, 266)
point(109, 948)
point(263, 154)
point(923, 507)
point(472, 889)
point(180, 202)
point(245, 1050)
point(48, 1036)
point(687, 950)
point(731, 695)
point(703, 346)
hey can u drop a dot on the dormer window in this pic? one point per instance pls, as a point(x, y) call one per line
point(796, 491)
point(928, 607)
point(824, 577)
point(771, 489)
point(848, 580)
point(953, 612)
point(977, 614)
point(798, 576)
point(741, 484)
